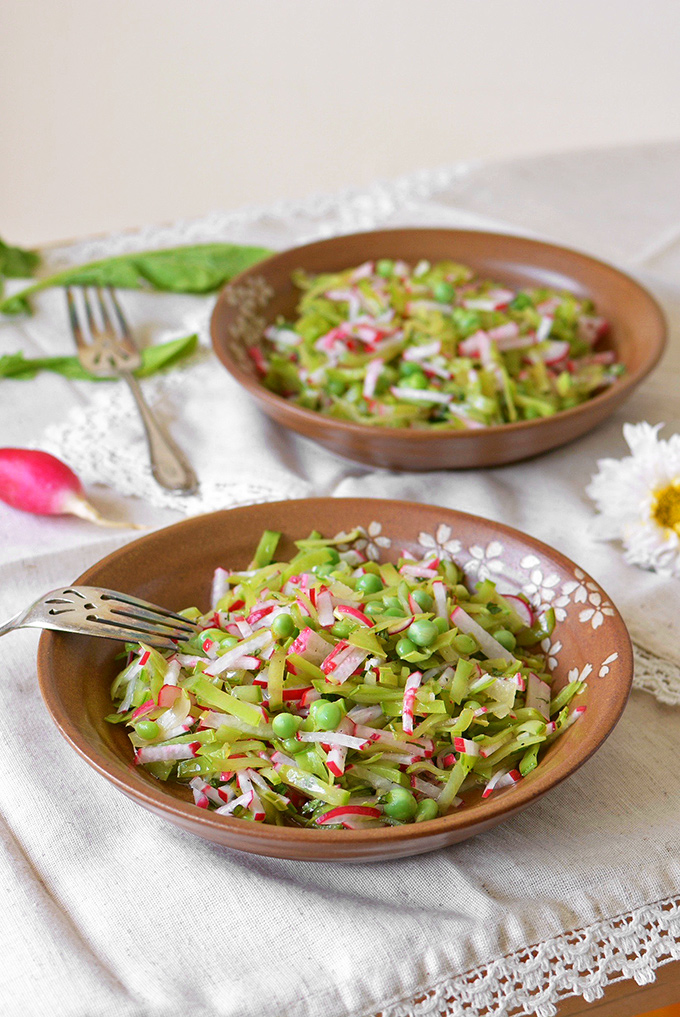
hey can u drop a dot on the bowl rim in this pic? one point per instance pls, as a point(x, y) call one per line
point(624, 385)
point(158, 800)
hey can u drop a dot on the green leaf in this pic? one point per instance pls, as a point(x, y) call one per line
point(15, 304)
point(17, 263)
point(154, 358)
point(201, 268)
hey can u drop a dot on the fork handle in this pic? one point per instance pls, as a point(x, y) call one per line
point(168, 463)
point(13, 623)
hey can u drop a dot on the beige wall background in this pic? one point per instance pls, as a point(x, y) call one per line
point(125, 112)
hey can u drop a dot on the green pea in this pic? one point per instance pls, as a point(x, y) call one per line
point(148, 729)
point(444, 292)
point(405, 646)
point(326, 714)
point(385, 268)
point(427, 809)
point(441, 624)
point(336, 387)
point(422, 632)
point(341, 629)
point(374, 607)
point(400, 804)
point(506, 639)
point(283, 626)
point(226, 642)
point(423, 600)
point(416, 380)
point(407, 367)
point(285, 725)
point(293, 746)
point(392, 602)
point(394, 612)
point(464, 643)
point(324, 570)
point(369, 583)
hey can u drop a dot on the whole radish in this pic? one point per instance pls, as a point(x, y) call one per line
point(38, 482)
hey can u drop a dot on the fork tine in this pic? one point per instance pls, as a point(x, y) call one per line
point(112, 630)
point(91, 610)
point(126, 350)
point(104, 311)
point(122, 321)
point(144, 605)
point(152, 621)
point(141, 627)
point(91, 323)
point(76, 327)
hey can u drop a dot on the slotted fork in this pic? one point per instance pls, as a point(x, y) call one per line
point(106, 348)
point(93, 611)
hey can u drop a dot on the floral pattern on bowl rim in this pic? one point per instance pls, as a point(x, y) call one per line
point(543, 589)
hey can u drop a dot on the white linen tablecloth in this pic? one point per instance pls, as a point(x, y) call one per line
point(110, 911)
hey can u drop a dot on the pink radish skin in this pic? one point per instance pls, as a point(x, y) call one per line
point(311, 646)
point(521, 608)
point(336, 815)
point(168, 694)
point(353, 612)
point(38, 482)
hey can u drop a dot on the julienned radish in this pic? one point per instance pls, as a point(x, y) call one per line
point(37, 482)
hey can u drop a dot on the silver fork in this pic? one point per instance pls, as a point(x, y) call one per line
point(108, 350)
point(93, 611)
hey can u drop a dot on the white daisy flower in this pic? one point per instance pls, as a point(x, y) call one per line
point(639, 499)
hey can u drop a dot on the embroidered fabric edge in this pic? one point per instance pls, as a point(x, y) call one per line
point(533, 981)
point(659, 677)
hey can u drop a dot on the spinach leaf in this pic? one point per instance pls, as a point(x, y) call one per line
point(154, 358)
point(201, 268)
point(16, 263)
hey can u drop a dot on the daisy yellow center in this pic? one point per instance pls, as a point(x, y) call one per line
point(667, 507)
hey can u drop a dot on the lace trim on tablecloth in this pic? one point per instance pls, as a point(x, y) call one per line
point(658, 676)
point(103, 441)
point(534, 980)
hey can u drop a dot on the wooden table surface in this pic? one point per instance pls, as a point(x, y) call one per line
point(628, 999)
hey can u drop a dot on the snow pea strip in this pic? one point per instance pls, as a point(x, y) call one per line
point(334, 691)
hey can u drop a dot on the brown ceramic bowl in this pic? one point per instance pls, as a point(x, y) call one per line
point(259, 295)
point(174, 567)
